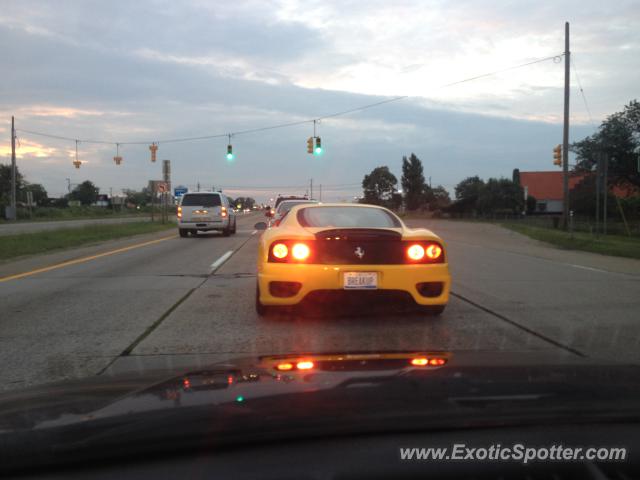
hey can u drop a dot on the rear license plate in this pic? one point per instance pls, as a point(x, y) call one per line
point(360, 280)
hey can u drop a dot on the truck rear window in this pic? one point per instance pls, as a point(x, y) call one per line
point(200, 200)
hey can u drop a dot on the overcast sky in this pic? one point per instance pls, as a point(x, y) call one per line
point(152, 70)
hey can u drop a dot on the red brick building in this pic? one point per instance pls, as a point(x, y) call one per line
point(546, 188)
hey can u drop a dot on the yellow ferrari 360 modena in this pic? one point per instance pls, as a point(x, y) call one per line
point(340, 252)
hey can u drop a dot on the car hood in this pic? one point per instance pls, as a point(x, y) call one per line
point(274, 397)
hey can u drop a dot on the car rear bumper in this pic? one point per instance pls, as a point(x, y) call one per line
point(204, 226)
point(326, 281)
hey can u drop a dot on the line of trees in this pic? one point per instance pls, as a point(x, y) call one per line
point(495, 196)
point(380, 187)
point(22, 187)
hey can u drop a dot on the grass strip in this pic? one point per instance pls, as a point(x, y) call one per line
point(615, 245)
point(12, 246)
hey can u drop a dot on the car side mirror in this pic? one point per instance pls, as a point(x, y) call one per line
point(260, 226)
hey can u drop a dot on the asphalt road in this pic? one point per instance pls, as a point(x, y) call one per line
point(32, 227)
point(173, 301)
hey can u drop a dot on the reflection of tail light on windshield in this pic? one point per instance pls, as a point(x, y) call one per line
point(305, 365)
point(186, 383)
point(301, 365)
point(179, 212)
point(426, 361)
point(223, 211)
point(428, 252)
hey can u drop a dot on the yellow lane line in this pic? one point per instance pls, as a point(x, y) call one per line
point(83, 259)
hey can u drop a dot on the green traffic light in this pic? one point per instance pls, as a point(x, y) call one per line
point(317, 151)
point(230, 156)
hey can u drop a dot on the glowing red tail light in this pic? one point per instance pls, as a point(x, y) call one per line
point(300, 251)
point(290, 251)
point(424, 252)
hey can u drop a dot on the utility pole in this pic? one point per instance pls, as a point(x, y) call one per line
point(320, 199)
point(565, 129)
point(13, 214)
point(311, 188)
point(605, 195)
point(598, 184)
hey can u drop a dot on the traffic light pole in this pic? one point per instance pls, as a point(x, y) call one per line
point(565, 130)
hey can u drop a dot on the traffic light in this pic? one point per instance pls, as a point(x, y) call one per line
point(318, 149)
point(117, 159)
point(77, 163)
point(230, 155)
point(153, 148)
point(310, 145)
point(557, 155)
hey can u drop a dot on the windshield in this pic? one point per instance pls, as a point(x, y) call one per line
point(383, 193)
point(346, 217)
point(201, 200)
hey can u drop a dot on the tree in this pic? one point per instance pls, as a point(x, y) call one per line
point(86, 193)
point(619, 138)
point(379, 186)
point(467, 193)
point(40, 196)
point(500, 196)
point(441, 199)
point(5, 184)
point(140, 198)
point(413, 182)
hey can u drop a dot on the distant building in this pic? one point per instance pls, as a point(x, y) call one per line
point(546, 188)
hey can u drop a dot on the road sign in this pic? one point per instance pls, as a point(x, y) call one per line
point(179, 191)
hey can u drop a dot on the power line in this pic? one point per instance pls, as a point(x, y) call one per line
point(281, 125)
point(584, 98)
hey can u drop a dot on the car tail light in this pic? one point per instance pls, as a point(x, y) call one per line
point(283, 367)
point(433, 251)
point(424, 252)
point(419, 362)
point(290, 251)
point(300, 251)
point(223, 211)
point(179, 212)
point(415, 252)
point(280, 250)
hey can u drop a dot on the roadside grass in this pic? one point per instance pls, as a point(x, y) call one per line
point(616, 245)
point(12, 246)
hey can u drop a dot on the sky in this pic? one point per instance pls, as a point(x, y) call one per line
point(151, 70)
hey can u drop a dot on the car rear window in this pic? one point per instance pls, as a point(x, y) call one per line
point(288, 205)
point(347, 217)
point(201, 200)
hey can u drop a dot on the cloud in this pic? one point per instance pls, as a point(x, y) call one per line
point(151, 70)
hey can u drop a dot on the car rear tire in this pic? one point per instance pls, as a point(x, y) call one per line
point(226, 231)
point(433, 310)
point(234, 226)
point(183, 232)
point(193, 232)
point(261, 309)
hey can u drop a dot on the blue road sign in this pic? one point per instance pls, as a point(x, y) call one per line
point(179, 191)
